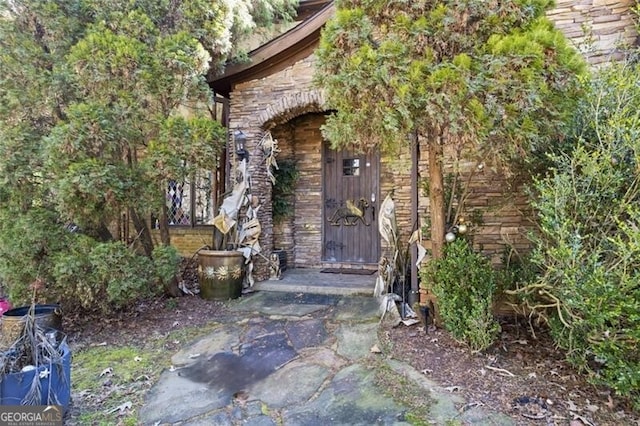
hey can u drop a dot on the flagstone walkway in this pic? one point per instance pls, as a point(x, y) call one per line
point(295, 359)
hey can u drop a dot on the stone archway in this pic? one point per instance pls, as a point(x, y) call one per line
point(285, 117)
point(290, 106)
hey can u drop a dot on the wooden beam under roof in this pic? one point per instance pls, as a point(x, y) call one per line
point(307, 8)
point(276, 54)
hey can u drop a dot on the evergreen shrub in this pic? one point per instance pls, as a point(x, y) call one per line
point(464, 283)
point(588, 246)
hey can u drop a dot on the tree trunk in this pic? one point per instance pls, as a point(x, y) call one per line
point(100, 232)
point(436, 196)
point(165, 236)
point(171, 288)
point(142, 233)
point(437, 214)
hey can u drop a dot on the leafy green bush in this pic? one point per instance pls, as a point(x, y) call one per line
point(516, 272)
point(27, 241)
point(77, 270)
point(102, 275)
point(125, 275)
point(282, 200)
point(589, 242)
point(73, 282)
point(166, 262)
point(464, 283)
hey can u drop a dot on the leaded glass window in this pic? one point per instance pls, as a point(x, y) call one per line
point(191, 201)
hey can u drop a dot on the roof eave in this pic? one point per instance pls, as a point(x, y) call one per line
point(273, 53)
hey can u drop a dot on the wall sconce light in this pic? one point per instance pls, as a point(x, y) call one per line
point(240, 140)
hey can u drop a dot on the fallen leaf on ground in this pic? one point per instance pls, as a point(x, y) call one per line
point(609, 402)
point(470, 405)
point(584, 420)
point(122, 408)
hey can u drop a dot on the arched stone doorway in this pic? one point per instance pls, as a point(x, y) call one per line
point(322, 229)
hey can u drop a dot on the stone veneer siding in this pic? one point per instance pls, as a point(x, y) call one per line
point(503, 207)
point(308, 194)
point(600, 29)
point(275, 102)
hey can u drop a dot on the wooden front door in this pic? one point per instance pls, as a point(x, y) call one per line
point(350, 206)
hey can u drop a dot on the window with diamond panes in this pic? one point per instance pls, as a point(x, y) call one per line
point(178, 195)
point(191, 202)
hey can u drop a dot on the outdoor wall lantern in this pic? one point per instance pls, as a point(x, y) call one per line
point(240, 140)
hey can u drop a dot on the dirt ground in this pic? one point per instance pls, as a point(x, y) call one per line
point(522, 375)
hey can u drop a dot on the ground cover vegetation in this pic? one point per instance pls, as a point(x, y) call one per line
point(101, 102)
point(497, 83)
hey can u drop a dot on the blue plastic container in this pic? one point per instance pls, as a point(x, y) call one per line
point(55, 387)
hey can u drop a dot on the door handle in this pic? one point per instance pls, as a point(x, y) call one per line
point(373, 206)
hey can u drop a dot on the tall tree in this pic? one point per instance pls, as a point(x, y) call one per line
point(492, 78)
point(93, 95)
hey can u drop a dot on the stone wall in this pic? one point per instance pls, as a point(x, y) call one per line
point(498, 206)
point(600, 29)
point(395, 180)
point(283, 232)
point(499, 203)
point(308, 195)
